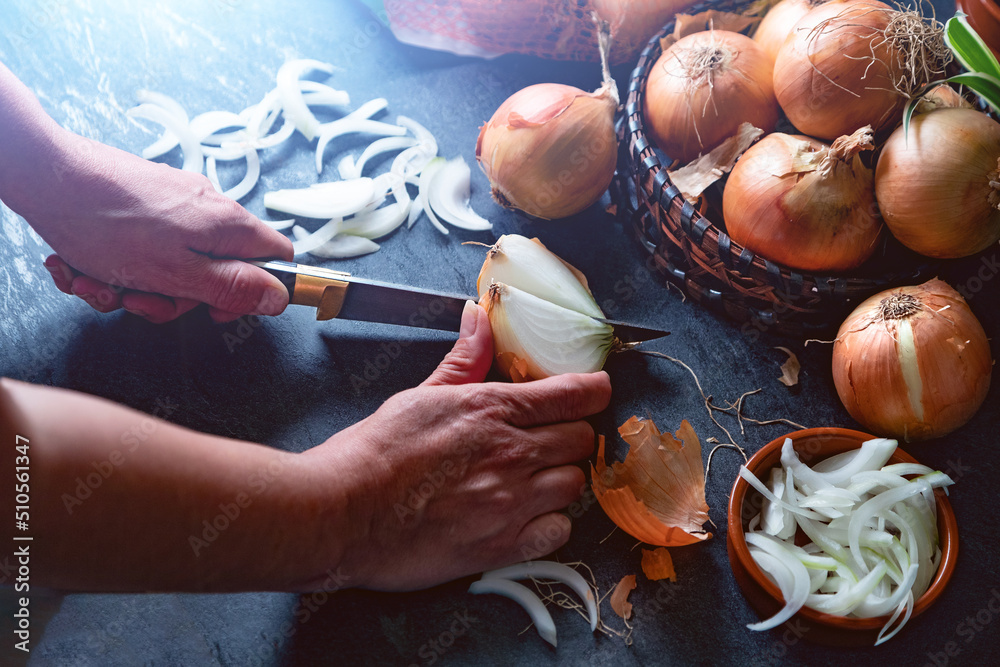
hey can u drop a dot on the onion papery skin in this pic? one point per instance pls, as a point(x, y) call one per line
point(802, 220)
point(914, 377)
point(550, 149)
point(686, 116)
point(777, 24)
point(813, 69)
point(933, 184)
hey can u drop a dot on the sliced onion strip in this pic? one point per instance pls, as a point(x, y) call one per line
point(546, 569)
point(191, 147)
point(523, 596)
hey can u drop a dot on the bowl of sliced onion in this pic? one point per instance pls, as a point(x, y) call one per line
point(841, 531)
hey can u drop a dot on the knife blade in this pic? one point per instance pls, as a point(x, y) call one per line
point(341, 295)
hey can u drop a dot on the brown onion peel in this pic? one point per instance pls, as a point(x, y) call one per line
point(550, 150)
point(937, 183)
point(803, 204)
point(913, 362)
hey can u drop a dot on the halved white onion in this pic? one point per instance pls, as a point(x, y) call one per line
point(549, 338)
point(518, 261)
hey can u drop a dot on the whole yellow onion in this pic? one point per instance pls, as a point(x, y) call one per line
point(938, 185)
point(550, 149)
point(703, 87)
point(913, 362)
point(839, 69)
point(804, 204)
point(777, 24)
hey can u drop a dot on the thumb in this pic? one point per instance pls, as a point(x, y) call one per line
point(472, 356)
point(234, 286)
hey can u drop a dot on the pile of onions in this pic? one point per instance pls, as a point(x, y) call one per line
point(912, 363)
point(703, 87)
point(845, 62)
point(804, 204)
point(938, 185)
point(777, 24)
point(550, 149)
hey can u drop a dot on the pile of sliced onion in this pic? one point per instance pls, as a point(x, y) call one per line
point(358, 209)
point(502, 582)
point(872, 530)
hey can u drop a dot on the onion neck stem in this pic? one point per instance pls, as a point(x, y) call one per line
point(604, 44)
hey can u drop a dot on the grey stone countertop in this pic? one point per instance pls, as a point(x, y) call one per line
point(291, 382)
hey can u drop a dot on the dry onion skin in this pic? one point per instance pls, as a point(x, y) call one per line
point(938, 185)
point(803, 204)
point(657, 494)
point(777, 24)
point(703, 87)
point(849, 64)
point(550, 149)
point(912, 363)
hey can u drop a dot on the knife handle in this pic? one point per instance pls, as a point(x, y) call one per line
point(325, 292)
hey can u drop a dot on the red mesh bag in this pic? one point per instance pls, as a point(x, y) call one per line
point(554, 29)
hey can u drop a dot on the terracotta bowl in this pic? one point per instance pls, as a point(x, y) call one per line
point(814, 445)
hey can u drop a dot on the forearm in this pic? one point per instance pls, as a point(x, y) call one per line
point(31, 143)
point(121, 501)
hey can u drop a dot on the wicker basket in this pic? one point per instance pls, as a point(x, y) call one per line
point(693, 252)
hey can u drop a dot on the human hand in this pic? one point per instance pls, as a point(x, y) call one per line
point(458, 476)
point(149, 238)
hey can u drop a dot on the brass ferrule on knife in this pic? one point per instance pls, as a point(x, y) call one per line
point(320, 288)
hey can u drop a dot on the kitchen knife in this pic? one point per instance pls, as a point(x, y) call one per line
point(341, 295)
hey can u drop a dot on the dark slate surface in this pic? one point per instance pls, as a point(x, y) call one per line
point(288, 382)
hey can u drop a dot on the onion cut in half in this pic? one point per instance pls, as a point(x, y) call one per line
point(528, 264)
point(657, 494)
point(536, 339)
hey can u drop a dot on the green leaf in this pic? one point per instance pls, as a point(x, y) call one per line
point(986, 86)
point(969, 48)
point(911, 104)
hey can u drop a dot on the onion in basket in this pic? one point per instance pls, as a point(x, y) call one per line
point(803, 204)
point(777, 24)
point(938, 185)
point(913, 362)
point(703, 87)
point(855, 63)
